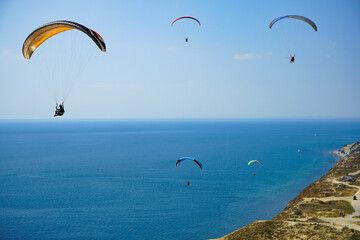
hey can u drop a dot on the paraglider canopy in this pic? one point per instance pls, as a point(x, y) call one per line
point(46, 31)
point(252, 161)
point(188, 158)
point(186, 17)
point(307, 20)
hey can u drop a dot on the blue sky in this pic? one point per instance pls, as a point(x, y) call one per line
point(234, 66)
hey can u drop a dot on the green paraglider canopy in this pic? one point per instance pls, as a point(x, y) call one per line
point(252, 161)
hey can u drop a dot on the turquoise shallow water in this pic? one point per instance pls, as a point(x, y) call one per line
point(118, 180)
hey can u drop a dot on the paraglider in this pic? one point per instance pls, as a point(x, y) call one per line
point(185, 17)
point(62, 70)
point(292, 59)
point(191, 159)
point(253, 161)
point(288, 30)
point(59, 111)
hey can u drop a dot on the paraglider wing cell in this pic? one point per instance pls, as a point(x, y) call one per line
point(41, 34)
point(307, 20)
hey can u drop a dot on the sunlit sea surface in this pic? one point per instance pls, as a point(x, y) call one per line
point(64, 179)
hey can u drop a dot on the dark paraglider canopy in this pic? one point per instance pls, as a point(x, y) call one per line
point(188, 158)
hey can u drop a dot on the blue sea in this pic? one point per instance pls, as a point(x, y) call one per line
point(63, 179)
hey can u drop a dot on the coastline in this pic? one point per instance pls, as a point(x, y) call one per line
point(326, 209)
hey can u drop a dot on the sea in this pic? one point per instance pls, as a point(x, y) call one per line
point(117, 179)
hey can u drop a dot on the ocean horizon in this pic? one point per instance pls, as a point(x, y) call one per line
point(86, 179)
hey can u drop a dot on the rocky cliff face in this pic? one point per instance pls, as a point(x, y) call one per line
point(348, 149)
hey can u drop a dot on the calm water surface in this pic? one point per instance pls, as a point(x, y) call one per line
point(118, 179)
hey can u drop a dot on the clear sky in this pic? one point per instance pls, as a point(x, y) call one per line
point(233, 66)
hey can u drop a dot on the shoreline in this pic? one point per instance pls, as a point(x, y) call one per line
point(345, 150)
point(326, 209)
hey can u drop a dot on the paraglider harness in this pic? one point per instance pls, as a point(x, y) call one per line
point(292, 59)
point(59, 111)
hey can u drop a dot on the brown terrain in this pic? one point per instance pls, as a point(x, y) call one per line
point(326, 209)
